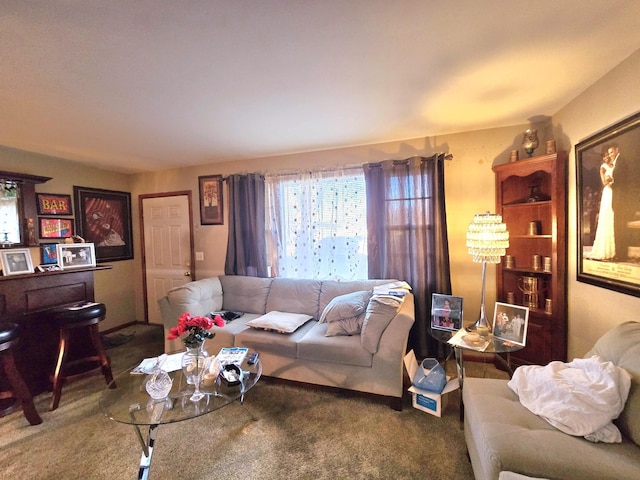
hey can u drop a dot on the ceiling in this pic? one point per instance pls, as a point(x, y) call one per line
point(145, 85)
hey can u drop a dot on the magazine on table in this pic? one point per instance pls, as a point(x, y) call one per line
point(235, 355)
point(470, 340)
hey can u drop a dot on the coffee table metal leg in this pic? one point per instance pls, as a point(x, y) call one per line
point(147, 450)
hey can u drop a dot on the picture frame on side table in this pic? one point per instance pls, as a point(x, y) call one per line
point(16, 261)
point(211, 201)
point(103, 217)
point(76, 255)
point(510, 323)
point(446, 312)
point(608, 175)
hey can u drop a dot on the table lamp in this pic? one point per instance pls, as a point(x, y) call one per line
point(487, 241)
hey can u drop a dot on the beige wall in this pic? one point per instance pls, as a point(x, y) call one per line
point(594, 310)
point(110, 289)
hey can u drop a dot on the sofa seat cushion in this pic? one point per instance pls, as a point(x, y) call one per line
point(510, 437)
point(294, 295)
point(280, 322)
point(316, 346)
point(285, 345)
point(245, 294)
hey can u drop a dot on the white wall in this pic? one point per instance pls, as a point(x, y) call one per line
point(594, 310)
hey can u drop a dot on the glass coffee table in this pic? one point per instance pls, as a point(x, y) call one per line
point(130, 403)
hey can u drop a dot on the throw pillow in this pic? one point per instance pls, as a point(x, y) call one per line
point(281, 322)
point(380, 312)
point(346, 306)
point(345, 326)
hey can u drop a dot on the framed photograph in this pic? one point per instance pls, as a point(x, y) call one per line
point(608, 203)
point(76, 255)
point(211, 207)
point(510, 323)
point(103, 217)
point(48, 254)
point(446, 312)
point(16, 261)
point(54, 204)
point(56, 227)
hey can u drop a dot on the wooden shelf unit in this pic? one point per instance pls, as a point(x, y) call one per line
point(547, 332)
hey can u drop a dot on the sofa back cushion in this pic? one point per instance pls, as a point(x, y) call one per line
point(621, 346)
point(295, 295)
point(245, 294)
point(197, 298)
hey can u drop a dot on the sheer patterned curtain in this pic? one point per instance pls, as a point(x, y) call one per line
point(317, 224)
point(407, 233)
point(246, 244)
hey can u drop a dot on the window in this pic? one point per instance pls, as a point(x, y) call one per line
point(317, 224)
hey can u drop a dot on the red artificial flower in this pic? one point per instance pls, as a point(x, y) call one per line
point(196, 326)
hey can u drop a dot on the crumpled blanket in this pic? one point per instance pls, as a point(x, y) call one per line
point(579, 398)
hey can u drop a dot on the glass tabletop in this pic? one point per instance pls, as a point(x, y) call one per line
point(130, 403)
point(496, 345)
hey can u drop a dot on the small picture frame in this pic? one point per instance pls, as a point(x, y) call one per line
point(211, 206)
point(56, 227)
point(446, 312)
point(54, 204)
point(510, 323)
point(76, 255)
point(48, 253)
point(16, 261)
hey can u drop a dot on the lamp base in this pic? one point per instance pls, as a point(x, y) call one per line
point(481, 325)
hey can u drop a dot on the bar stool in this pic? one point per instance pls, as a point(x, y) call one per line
point(19, 390)
point(73, 318)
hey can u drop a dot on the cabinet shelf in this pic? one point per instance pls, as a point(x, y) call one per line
point(547, 332)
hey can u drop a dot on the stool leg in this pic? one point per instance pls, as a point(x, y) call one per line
point(97, 344)
point(57, 374)
point(20, 388)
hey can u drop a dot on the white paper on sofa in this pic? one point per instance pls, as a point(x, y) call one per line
point(579, 398)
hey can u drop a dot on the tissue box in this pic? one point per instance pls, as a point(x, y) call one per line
point(424, 400)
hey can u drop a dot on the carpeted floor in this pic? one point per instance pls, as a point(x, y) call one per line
point(282, 431)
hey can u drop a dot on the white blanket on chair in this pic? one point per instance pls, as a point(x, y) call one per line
point(579, 398)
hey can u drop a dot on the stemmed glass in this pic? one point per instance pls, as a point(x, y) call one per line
point(198, 367)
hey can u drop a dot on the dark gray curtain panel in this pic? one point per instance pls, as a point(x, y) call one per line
point(246, 245)
point(407, 234)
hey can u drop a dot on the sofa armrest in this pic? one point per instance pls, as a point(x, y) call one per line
point(198, 298)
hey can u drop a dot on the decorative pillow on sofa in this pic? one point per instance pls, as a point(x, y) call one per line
point(281, 322)
point(345, 326)
point(380, 312)
point(346, 306)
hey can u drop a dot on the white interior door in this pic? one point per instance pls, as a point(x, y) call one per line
point(167, 245)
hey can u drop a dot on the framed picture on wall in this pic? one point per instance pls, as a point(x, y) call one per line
point(48, 254)
point(608, 204)
point(211, 207)
point(56, 227)
point(103, 217)
point(54, 204)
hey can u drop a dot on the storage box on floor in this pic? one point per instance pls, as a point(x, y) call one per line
point(430, 402)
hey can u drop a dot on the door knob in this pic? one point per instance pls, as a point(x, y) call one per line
point(187, 273)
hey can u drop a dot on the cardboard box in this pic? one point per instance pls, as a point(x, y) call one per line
point(424, 400)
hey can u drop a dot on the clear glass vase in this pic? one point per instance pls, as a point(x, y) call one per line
point(159, 383)
point(195, 363)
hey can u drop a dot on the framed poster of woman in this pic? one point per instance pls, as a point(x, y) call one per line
point(608, 175)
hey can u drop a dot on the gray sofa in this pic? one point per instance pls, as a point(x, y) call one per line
point(502, 435)
point(347, 362)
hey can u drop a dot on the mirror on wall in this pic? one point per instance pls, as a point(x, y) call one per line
point(17, 205)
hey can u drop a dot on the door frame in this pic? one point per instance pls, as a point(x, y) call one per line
point(192, 255)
